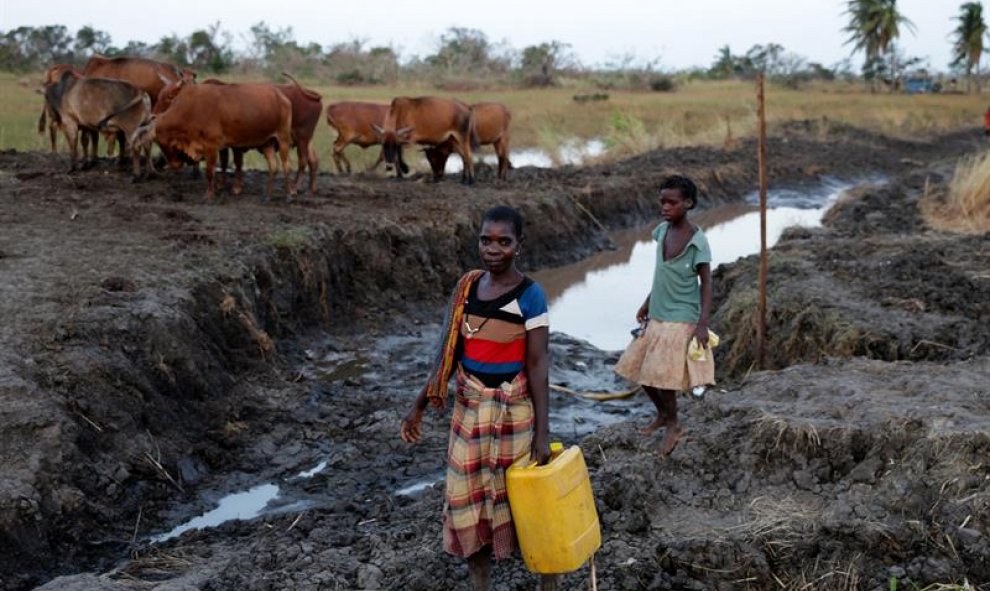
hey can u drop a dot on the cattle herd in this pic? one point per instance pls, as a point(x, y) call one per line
point(136, 103)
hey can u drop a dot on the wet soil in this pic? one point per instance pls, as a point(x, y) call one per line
point(159, 350)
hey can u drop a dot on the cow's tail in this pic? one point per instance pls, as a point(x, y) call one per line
point(472, 132)
point(309, 93)
point(43, 120)
point(102, 125)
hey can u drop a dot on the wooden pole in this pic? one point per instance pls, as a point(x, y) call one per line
point(761, 333)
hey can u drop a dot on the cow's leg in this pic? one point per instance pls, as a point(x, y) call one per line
point(53, 136)
point(84, 140)
point(224, 160)
point(314, 167)
point(283, 152)
point(269, 152)
point(122, 145)
point(502, 151)
point(339, 157)
point(211, 164)
point(398, 162)
point(111, 146)
point(71, 138)
point(468, 158)
point(238, 171)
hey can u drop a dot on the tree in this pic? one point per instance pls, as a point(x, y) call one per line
point(968, 45)
point(90, 41)
point(540, 63)
point(207, 52)
point(873, 27)
point(462, 51)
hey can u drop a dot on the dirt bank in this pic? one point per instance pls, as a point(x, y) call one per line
point(151, 347)
point(875, 281)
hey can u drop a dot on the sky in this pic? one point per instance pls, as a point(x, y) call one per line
point(681, 33)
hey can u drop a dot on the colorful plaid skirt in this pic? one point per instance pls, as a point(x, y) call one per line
point(491, 428)
point(658, 358)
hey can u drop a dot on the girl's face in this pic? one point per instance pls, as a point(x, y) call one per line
point(673, 205)
point(497, 245)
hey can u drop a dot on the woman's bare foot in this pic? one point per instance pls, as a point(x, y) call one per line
point(671, 438)
point(652, 427)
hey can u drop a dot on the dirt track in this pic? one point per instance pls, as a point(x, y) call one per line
point(153, 348)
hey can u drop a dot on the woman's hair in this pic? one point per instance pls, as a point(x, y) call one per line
point(504, 213)
point(683, 184)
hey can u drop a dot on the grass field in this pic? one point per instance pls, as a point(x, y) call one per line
point(699, 112)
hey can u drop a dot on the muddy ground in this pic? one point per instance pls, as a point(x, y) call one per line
point(159, 351)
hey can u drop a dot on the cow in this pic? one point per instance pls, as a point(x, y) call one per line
point(50, 120)
point(149, 75)
point(96, 104)
point(491, 127)
point(201, 119)
point(429, 121)
point(353, 122)
point(307, 106)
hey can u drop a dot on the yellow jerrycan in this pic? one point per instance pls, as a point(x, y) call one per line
point(553, 510)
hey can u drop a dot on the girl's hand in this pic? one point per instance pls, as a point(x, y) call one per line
point(410, 429)
point(643, 312)
point(541, 450)
point(701, 333)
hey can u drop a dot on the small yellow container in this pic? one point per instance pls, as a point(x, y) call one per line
point(554, 511)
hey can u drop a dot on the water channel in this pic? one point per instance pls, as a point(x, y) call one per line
point(594, 300)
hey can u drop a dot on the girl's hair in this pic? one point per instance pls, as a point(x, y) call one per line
point(504, 213)
point(683, 184)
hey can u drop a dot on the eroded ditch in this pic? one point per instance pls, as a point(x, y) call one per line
point(136, 377)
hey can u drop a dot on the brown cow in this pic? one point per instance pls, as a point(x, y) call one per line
point(307, 106)
point(429, 121)
point(96, 104)
point(353, 122)
point(149, 75)
point(491, 127)
point(203, 118)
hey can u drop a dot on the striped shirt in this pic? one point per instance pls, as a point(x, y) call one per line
point(494, 331)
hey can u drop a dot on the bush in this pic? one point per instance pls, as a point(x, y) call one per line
point(662, 84)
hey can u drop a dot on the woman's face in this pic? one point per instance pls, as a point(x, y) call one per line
point(497, 245)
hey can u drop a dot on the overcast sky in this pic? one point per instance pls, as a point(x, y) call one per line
point(680, 33)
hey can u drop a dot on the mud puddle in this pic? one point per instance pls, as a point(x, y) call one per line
point(596, 299)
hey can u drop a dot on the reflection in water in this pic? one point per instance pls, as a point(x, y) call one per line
point(573, 152)
point(596, 299)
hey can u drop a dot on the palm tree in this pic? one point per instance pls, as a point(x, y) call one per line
point(873, 27)
point(968, 46)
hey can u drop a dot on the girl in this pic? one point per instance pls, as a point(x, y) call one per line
point(496, 332)
point(675, 311)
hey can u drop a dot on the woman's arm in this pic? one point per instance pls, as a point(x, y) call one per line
point(538, 375)
point(410, 430)
point(701, 330)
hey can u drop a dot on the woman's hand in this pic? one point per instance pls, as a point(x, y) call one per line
point(701, 333)
point(410, 429)
point(541, 450)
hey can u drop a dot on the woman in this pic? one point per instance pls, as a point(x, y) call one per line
point(496, 334)
point(675, 311)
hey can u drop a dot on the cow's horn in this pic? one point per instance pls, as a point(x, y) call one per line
point(378, 129)
point(404, 130)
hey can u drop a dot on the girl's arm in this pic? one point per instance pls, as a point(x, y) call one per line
point(701, 330)
point(537, 373)
point(410, 430)
point(644, 311)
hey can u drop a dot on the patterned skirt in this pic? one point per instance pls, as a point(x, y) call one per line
point(491, 428)
point(659, 358)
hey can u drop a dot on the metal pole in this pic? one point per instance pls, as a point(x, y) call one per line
point(761, 333)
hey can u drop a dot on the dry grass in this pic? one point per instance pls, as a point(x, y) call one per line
point(965, 207)
point(700, 112)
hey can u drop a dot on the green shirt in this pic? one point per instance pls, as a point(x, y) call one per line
point(676, 294)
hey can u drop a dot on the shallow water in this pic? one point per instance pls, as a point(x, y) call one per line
point(596, 299)
point(572, 152)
